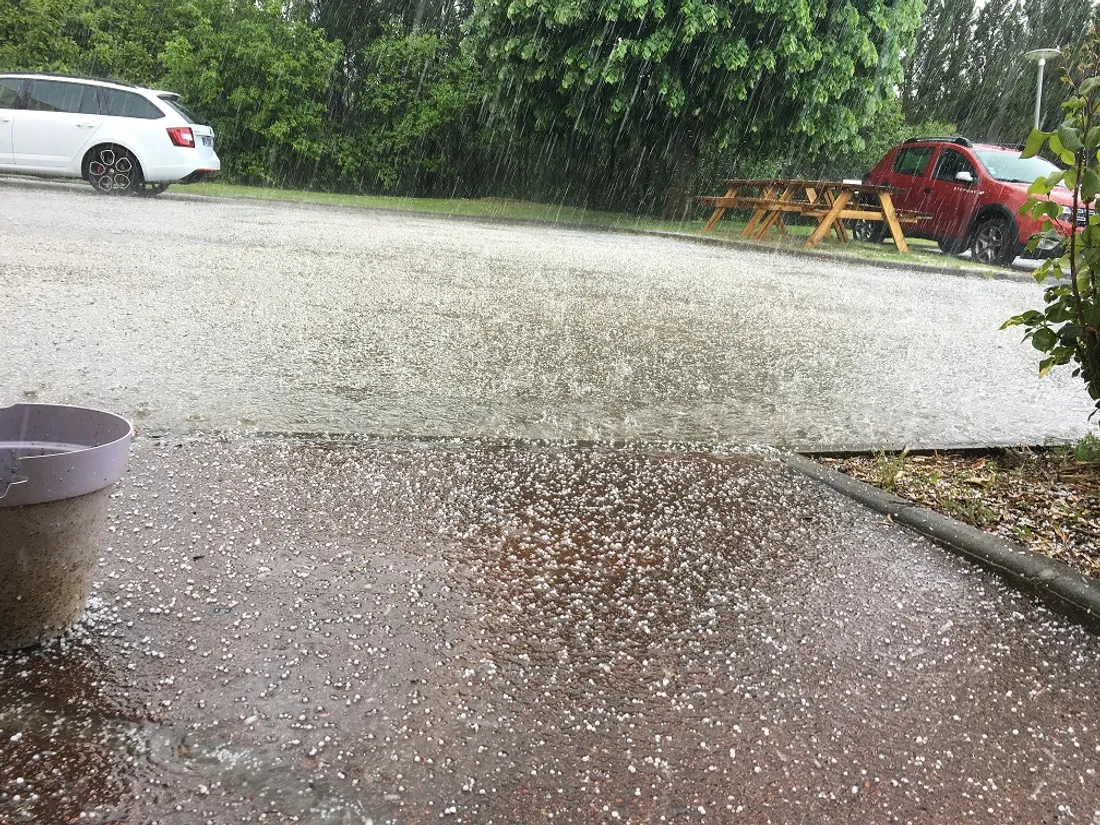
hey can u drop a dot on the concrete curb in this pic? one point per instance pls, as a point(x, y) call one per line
point(1062, 588)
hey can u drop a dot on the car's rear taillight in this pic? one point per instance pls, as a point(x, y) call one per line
point(182, 136)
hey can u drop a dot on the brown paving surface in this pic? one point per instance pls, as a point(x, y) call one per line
point(410, 633)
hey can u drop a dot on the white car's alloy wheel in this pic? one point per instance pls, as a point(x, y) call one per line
point(113, 171)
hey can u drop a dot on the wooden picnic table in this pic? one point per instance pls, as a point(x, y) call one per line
point(829, 202)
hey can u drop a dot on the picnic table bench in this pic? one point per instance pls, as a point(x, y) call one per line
point(829, 203)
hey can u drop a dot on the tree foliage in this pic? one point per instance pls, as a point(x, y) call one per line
point(967, 65)
point(405, 123)
point(1067, 330)
point(287, 103)
point(260, 78)
point(675, 76)
point(112, 38)
point(887, 127)
point(358, 23)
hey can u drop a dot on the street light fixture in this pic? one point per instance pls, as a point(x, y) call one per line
point(1040, 56)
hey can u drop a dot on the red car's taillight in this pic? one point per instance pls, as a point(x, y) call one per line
point(182, 136)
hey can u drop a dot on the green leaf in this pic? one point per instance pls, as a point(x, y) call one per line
point(1046, 365)
point(1060, 313)
point(1089, 86)
point(1092, 258)
point(1068, 336)
point(1044, 339)
point(1092, 139)
point(1029, 318)
point(1035, 142)
point(1069, 178)
point(1070, 138)
point(1090, 185)
point(1043, 185)
point(1091, 311)
point(1038, 187)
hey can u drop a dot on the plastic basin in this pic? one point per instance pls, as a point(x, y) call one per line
point(57, 467)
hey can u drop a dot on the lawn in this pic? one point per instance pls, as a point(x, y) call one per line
point(923, 252)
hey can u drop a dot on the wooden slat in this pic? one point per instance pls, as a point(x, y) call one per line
point(892, 221)
point(864, 214)
point(719, 211)
point(761, 203)
point(753, 222)
point(815, 184)
point(832, 215)
point(830, 203)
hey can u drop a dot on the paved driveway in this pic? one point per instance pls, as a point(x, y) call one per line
point(484, 630)
point(244, 315)
point(295, 633)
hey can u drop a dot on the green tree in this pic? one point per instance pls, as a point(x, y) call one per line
point(408, 119)
point(937, 66)
point(967, 64)
point(261, 79)
point(44, 35)
point(1046, 23)
point(125, 38)
point(887, 128)
point(658, 81)
point(103, 38)
point(357, 23)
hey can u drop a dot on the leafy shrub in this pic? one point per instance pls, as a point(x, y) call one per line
point(1068, 328)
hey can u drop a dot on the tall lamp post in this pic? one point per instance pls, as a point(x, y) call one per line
point(1040, 56)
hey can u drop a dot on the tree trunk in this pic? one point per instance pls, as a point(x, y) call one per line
point(684, 153)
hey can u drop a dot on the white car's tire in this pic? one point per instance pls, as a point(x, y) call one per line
point(113, 170)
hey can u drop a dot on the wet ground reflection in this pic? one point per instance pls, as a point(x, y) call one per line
point(67, 735)
point(501, 633)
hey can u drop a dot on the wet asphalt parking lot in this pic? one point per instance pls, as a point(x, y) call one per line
point(252, 316)
point(441, 619)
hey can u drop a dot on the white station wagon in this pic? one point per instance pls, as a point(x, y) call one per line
point(122, 139)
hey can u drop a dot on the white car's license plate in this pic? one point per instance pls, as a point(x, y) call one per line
point(207, 141)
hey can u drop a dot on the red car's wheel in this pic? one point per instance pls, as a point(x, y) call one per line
point(994, 241)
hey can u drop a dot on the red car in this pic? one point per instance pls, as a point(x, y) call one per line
point(972, 193)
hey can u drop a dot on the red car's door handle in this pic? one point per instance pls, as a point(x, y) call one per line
point(928, 190)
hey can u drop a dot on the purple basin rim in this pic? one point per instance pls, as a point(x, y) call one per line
point(50, 452)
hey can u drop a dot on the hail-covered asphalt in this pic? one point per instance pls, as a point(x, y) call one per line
point(455, 611)
point(491, 633)
point(244, 315)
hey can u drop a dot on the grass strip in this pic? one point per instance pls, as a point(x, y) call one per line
point(692, 225)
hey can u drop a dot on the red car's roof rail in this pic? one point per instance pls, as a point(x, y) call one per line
point(959, 139)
